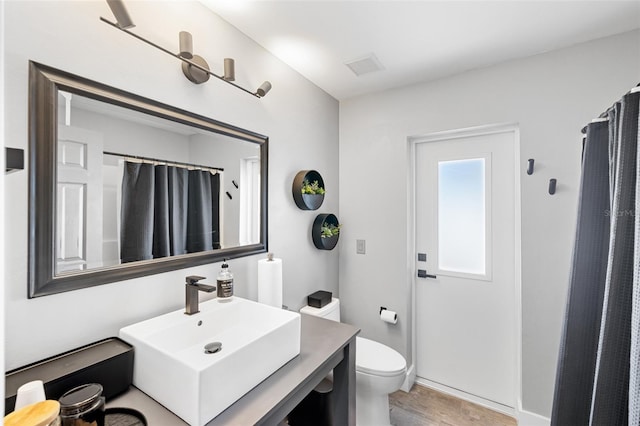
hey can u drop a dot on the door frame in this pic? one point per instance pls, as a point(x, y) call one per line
point(412, 142)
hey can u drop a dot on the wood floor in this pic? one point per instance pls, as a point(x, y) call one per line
point(427, 407)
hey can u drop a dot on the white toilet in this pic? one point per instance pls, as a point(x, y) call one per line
point(380, 370)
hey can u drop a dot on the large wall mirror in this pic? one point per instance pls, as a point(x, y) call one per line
point(123, 186)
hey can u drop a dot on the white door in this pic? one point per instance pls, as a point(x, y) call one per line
point(79, 200)
point(465, 289)
point(249, 200)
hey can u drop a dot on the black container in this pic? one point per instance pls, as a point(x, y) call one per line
point(108, 362)
point(327, 243)
point(319, 299)
point(307, 201)
point(82, 406)
point(312, 201)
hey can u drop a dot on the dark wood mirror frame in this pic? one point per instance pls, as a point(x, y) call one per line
point(44, 84)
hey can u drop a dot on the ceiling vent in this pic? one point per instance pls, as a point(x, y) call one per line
point(365, 65)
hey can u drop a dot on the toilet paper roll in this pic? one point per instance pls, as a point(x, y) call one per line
point(389, 316)
point(270, 282)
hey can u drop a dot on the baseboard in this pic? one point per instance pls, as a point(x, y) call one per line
point(500, 408)
point(524, 418)
point(409, 379)
point(527, 418)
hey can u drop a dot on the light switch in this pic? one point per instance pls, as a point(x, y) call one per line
point(360, 247)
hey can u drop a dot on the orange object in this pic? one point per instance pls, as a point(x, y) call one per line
point(38, 414)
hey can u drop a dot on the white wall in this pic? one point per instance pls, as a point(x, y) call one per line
point(300, 120)
point(551, 96)
point(2, 230)
point(132, 137)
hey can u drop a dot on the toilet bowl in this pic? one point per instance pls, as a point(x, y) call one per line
point(380, 371)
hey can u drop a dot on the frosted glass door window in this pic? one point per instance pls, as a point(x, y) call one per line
point(462, 216)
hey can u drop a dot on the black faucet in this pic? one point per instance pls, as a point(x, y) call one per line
point(192, 287)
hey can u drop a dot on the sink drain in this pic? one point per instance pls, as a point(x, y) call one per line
point(212, 348)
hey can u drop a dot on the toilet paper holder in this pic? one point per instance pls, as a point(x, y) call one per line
point(388, 315)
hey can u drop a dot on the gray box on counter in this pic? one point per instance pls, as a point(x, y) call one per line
point(108, 362)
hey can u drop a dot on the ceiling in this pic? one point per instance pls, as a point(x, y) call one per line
point(416, 41)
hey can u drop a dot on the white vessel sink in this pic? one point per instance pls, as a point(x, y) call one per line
point(171, 366)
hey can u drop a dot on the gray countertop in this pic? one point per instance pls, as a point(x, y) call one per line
point(323, 346)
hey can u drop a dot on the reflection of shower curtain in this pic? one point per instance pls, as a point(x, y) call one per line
point(203, 216)
point(168, 211)
point(170, 225)
point(598, 377)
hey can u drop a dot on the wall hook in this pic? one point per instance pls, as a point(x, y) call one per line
point(530, 166)
point(14, 159)
point(552, 186)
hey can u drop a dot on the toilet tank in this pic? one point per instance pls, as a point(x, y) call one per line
point(330, 311)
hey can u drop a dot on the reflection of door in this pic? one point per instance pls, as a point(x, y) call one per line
point(250, 200)
point(79, 200)
point(466, 305)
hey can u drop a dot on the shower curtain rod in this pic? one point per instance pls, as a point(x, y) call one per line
point(157, 160)
point(604, 115)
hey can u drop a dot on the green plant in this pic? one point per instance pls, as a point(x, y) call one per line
point(312, 188)
point(328, 230)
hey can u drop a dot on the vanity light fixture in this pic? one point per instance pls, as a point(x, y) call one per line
point(195, 74)
point(121, 14)
point(186, 45)
point(263, 89)
point(229, 69)
point(194, 67)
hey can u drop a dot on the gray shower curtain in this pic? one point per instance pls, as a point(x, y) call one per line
point(203, 217)
point(167, 211)
point(170, 208)
point(598, 377)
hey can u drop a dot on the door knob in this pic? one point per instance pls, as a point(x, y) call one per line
point(423, 274)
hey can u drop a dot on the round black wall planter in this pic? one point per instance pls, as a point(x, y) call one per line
point(307, 201)
point(316, 232)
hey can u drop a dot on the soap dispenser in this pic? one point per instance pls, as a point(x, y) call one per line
point(225, 282)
